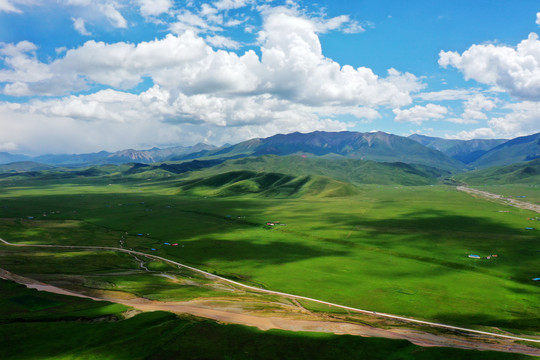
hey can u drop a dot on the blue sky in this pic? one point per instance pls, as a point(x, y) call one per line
point(90, 75)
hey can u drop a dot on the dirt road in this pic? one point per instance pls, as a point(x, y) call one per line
point(424, 339)
point(306, 323)
point(509, 201)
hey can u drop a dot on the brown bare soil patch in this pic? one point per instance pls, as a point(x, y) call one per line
point(290, 317)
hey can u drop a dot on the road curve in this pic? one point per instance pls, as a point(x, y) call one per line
point(286, 295)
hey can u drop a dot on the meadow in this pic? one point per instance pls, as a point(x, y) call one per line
point(396, 249)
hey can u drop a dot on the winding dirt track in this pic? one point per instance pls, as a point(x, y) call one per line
point(309, 324)
point(289, 296)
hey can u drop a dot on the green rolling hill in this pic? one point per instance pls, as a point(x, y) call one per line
point(520, 149)
point(520, 173)
point(23, 166)
point(237, 183)
point(268, 176)
point(296, 176)
point(342, 169)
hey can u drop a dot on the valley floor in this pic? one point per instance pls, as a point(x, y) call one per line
point(392, 249)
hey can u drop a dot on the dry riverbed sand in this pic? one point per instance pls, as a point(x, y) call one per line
point(508, 200)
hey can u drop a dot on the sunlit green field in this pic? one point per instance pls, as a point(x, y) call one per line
point(401, 250)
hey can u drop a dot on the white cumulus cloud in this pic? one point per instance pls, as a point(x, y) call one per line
point(222, 42)
point(521, 119)
point(290, 86)
point(114, 16)
point(22, 64)
point(231, 4)
point(80, 26)
point(291, 67)
point(515, 70)
point(189, 21)
point(154, 7)
point(7, 6)
point(475, 107)
point(417, 114)
point(480, 133)
point(448, 94)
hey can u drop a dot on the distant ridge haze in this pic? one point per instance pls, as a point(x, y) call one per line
point(465, 151)
point(105, 157)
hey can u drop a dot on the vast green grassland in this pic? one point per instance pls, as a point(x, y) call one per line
point(396, 249)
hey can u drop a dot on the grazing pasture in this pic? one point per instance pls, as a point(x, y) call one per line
point(395, 249)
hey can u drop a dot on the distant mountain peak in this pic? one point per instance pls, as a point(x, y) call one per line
point(378, 146)
point(465, 151)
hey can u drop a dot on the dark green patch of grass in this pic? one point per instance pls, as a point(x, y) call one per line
point(18, 303)
point(161, 335)
point(34, 303)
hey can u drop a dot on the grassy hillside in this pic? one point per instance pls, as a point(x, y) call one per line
point(520, 149)
point(295, 176)
point(520, 173)
point(23, 166)
point(277, 175)
point(99, 173)
point(347, 170)
point(236, 183)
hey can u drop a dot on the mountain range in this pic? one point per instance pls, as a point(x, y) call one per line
point(445, 154)
point(104, 157)
point(376, 146)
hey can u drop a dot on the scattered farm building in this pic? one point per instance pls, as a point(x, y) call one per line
point(474, 256)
